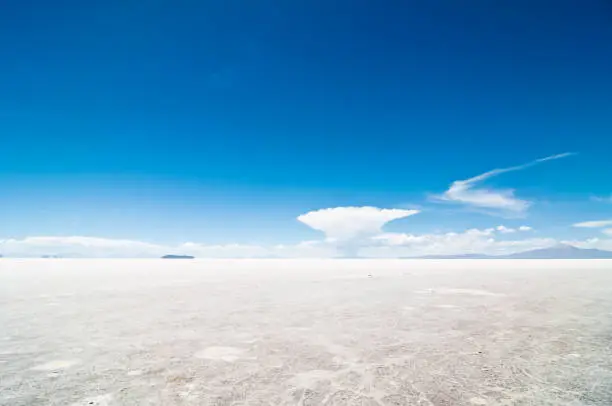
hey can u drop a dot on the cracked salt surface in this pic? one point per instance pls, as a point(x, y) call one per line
point(310, 332)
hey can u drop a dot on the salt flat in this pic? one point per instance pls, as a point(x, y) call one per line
point(305, 332)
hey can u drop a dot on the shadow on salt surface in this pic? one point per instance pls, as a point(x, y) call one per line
point(227, 354)
point(449, 291)
point(310, 378)
point(446, 306)
point(101, 400)
point(56, 365)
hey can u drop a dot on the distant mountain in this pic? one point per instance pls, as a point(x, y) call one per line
point(561, 251)
point(178, 257)
point(461, 256)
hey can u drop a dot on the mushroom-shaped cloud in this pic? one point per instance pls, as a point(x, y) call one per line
point(348, 223)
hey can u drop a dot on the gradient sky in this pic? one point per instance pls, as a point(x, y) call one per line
point(221, 122)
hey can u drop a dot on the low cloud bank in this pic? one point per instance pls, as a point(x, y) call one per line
point(490, 241)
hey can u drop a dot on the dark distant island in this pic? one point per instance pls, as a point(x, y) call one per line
point(177, 257)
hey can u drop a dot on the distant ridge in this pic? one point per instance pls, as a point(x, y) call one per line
point(170, 256)
point(560, 251)
point(459, 256)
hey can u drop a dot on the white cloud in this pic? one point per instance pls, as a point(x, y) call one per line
point(607, 231)
point(348, 230)
point(477, 241)
point(221, 251)
point(307, 249)
point(344, 223)
point(466, 192)
point(505, 230)
point(304, 249)
point(594, 224)
point(94, 247)
point(78, 246)
point(473, 241)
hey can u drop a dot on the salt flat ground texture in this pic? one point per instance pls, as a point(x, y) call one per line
point(307, 332)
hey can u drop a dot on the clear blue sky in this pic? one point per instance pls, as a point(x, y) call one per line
point(221, 121)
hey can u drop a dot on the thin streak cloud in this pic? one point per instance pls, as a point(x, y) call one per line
point(466, 191)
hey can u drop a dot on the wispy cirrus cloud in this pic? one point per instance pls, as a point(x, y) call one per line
point(468, 193)
point(604, 199)
point(593, 224)
point(600, 224)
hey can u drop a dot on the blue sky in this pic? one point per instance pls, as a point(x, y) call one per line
point(222, 122)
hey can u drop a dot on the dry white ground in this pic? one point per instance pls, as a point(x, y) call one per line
point(305, 332)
